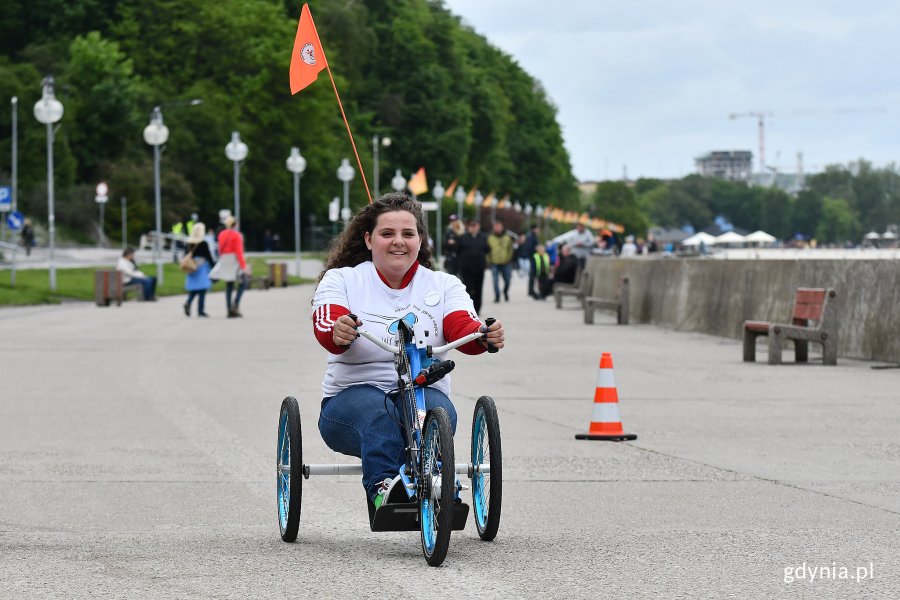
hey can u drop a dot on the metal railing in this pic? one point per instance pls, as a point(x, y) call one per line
point(6, 263)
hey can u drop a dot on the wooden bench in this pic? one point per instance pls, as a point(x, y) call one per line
point(108, 286)
point(618, 304)
point(812, 320)
point(580, 289)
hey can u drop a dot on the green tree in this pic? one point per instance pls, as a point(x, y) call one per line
point(838, 222)
point(616, 202)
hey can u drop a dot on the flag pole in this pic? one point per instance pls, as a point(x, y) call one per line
point(362, 172)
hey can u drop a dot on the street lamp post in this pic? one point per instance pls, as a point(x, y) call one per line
point(156, 134)
point(386, 142)
point(296, 164)
point(124, 222)
point(101, 198)
point(479, 199)
point(15, 149)
point(528, 210)
point(398, 182)
point(236, 151)
point(438, 192)
point(49, 110)
point(346, 173)
point(460, 196)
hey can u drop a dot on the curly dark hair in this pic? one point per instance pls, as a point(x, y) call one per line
point(349, 248)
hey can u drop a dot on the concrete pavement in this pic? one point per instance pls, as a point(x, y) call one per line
point(137, 460)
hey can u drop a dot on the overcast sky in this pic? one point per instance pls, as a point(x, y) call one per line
point(650, 84)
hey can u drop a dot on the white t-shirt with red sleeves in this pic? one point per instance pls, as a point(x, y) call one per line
point(424, 303)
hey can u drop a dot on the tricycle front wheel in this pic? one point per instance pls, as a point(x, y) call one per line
point(438, 486)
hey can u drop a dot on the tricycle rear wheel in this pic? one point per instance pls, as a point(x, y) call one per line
point(487, 484)
point(289, 474)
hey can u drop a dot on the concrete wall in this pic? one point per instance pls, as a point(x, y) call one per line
point(716, 296)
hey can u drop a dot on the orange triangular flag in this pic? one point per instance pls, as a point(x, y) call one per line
point(505, 202)
point(470, 197)
point(308, 57)
point(451, 189)
point(417, 183)
point(488, 201)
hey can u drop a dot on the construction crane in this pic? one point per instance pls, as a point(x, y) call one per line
point(761, 116)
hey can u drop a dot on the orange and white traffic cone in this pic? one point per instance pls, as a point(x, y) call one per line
point(606, 424)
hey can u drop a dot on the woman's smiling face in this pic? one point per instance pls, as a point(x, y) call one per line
point(394, 243)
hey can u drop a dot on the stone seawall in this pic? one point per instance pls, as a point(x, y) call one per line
point(717, 296)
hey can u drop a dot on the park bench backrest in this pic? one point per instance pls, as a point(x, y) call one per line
point(809, 305)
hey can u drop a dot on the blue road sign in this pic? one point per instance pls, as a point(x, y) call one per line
point(15, 219)
point(5, 198)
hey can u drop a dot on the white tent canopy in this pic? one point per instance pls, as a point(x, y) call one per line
point(729, 237)
point(760, 237)
point(889, 235)
point(695, 239)
point(872, 235)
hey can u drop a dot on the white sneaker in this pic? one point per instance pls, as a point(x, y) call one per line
point(384, 491)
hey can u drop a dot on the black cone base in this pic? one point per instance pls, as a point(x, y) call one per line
point(624, 437)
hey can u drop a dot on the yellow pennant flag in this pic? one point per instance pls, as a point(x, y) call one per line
point(417, 183)
point(451, 189)
point(488, 201)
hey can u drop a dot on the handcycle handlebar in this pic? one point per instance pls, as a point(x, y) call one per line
point(433, 350)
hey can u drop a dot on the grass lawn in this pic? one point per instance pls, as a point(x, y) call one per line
point(33, 285)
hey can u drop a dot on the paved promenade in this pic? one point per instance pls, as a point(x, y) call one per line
point(137, 460)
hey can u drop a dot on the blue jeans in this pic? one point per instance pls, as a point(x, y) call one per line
point(149, 285)
point(356, 423)
point(229, 288)
point(201, 300)
point(506, 272)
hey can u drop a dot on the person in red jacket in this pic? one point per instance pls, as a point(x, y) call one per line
point(231, 267)
point(380, 270)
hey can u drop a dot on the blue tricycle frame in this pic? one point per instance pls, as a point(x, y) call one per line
point(428, 476)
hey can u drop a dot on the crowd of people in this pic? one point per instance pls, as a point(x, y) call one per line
point(208, 258)
point(469, 253)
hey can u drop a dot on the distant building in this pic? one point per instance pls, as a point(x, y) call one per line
point(733, 165)
point(587, 188)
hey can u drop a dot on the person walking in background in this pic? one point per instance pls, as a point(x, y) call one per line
point(231, 267)
point(130, 273)
point(27, 236)
point(197, 282)
point(501, 253)
point(581, 241)
point(540, 269)
point(451, 245)
point(520, 256)
point(629, 248)
point(473, 249)
point(531, 242)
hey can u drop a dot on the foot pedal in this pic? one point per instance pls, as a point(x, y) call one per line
point(404, 516)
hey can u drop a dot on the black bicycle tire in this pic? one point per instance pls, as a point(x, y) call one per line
point(444, 517)
point(295, 486)
point(495, 454)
